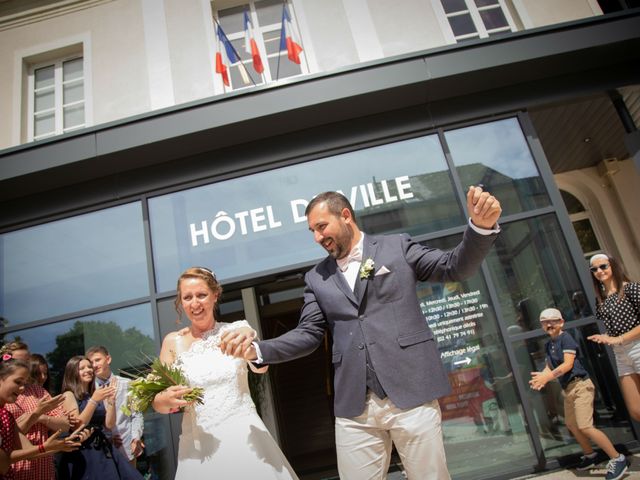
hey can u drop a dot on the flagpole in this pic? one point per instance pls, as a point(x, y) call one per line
point(236, 53)
point(284, 5)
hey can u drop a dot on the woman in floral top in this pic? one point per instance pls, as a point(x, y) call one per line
point(618, 305)
point(26, 410)
point(13, 445)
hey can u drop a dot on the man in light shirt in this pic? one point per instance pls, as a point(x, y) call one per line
point(127, 434)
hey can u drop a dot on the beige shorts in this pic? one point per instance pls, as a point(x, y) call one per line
point(578, 404)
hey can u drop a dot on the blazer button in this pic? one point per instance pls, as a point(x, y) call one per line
point(361, 346)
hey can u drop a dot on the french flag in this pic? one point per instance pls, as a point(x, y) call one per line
point(287, 39)
point(250, 44)
point(224, 56)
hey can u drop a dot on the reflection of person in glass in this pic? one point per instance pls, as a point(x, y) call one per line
point(498, 377)
point(387, 368)
point(563, 363)
point(618, 305)
point(224, 437)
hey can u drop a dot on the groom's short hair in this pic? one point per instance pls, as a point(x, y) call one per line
point(335, 201)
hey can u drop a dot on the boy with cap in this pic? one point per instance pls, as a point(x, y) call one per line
point(579, 392)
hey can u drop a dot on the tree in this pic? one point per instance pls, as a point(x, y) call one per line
point(128, 348)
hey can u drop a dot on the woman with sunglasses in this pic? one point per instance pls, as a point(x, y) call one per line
point(618, 305)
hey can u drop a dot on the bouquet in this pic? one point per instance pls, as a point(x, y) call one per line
point(143, 389)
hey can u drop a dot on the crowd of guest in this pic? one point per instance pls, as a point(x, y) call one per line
point(80, 433)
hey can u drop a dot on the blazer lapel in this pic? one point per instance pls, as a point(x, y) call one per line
point(368, 251)
point(341, 282)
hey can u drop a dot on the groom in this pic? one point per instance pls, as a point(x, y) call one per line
point(388, 373)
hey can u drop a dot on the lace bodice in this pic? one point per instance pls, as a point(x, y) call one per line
point(223, 378)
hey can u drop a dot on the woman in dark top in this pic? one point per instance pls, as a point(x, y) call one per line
point(95, 408)
point(618, 306)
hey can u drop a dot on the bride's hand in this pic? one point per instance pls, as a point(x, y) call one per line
point(172, 398)
point(238, 341)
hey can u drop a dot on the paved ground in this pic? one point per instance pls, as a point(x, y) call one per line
point(632, 474)
point(596, 473)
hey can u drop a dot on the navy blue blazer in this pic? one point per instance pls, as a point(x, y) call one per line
point(382, 313)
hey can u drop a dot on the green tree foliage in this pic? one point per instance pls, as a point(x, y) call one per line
point(128, 348)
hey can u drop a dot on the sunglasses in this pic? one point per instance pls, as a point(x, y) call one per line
point(602, 267)
point(550, 322)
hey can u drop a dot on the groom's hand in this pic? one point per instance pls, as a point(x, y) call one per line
point(237, 342)
point(484, 209)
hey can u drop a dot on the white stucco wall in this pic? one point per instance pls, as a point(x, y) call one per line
point(538, 13)
point(150, 54)
point(612, 203)
point(117, 84)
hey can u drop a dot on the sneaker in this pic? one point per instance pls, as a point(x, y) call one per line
point(587, 461)
point(616, 468)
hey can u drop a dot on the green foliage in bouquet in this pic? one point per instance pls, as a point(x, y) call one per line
point(143, 389)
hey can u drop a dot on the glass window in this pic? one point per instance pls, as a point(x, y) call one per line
point(586, 236)
point(256, 223)
point(581, 220)
point(532, 269)
point(127, 333)
point(476, 18)
point(73, 264)
point(57, 98)
point(571, 202)
point(496, 155)
point(483, 422)
point(265, 23)
point(548, 404)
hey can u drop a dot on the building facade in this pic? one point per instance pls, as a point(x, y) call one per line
point(143, 137)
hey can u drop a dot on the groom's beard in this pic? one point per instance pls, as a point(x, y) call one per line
point(341, 243)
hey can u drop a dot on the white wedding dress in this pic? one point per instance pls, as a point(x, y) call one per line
point(224, 438)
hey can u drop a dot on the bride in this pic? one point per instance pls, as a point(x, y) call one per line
point(224, 436)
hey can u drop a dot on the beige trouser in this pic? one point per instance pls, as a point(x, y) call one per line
point(363, 443)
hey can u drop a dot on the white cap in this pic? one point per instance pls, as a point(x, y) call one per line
point(550, 314)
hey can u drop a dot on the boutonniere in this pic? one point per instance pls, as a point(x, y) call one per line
point(366, 268)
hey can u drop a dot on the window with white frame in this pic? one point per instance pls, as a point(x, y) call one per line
point(470, 19)
point(265, 19)
point(56, 97)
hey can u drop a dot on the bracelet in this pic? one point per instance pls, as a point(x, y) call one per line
point(621, 337)
point(93, 401)
point(41, 448)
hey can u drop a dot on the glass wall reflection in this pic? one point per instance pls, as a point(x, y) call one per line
point(73, 264)
point(483, 422)
point(532, 270)
point(497, 155)
point(256, 223)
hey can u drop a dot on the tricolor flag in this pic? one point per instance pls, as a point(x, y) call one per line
point(225, 56)
point(250, 44)
point(287, 37)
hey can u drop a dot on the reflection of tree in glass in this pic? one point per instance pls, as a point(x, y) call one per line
point(126, 347)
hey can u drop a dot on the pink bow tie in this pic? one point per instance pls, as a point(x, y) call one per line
point(354, 256)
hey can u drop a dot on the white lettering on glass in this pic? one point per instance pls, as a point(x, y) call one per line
point(196, 233)
point(224, 225)
point(296, 211)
